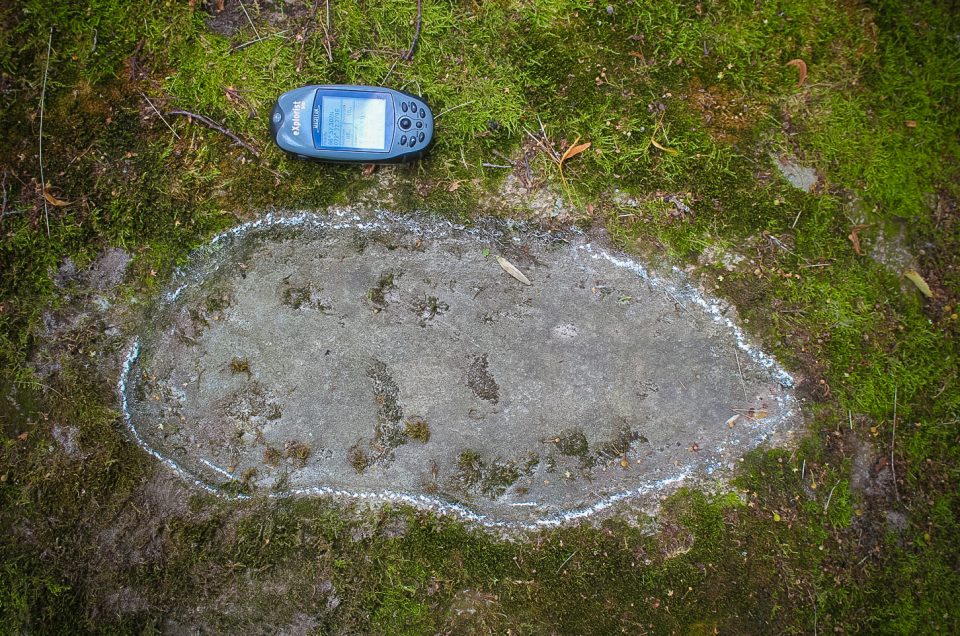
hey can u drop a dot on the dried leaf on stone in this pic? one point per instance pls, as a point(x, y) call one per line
point(855, 237)
point(509, 268)
point(801, 69)
point(914, 277)
point(52, 200)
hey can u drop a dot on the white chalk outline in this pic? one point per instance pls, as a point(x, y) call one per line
point(339, 219)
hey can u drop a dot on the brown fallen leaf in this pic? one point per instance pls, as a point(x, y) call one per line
point(52, 200)
point(855, 237)
point(23, 436)
point(801, 69)
point(910, 123)
point(574, 150)
point(509, 268)
point(454, 186)
point(914, 277)
point(368, 169)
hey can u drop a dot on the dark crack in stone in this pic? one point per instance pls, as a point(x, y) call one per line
point(481, 382)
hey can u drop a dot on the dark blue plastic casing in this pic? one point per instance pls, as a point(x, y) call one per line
point(297, 124)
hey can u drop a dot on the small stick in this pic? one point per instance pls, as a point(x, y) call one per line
point(258, 40)
point(326, 33)
point(159, 115)
point(495, 165)
point(43, 95)
point(829, 497)
point(893, 443)
point(550, 152)
point(416, 31)
point(745, 413)
point(567, 561)
point(209, 123)
point(257, 33)
point(681, 305)
point(452, 108)
point(3, 210)
point(743, 384)
point(390, 72)
point(796, 219)
point(850, 417)
point(803, 470)
point(553, 153)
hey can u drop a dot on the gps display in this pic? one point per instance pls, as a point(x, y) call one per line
point(353, 122)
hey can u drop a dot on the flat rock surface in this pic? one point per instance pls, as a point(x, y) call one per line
point(395, 359)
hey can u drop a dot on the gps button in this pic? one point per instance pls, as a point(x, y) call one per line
point(405, 123)
point(419, 124)
point(403, 106)
point(420, 137)
point(403, 140)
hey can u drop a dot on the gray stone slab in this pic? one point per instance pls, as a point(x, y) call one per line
point(395, 359)
point(801, 177)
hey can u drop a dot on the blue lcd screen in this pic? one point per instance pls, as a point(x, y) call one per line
point(350, 122)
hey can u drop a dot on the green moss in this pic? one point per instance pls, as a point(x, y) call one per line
point(417, 428)
point(793, 553)
point(240, 365)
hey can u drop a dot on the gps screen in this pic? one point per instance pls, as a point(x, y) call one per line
point(353, 122)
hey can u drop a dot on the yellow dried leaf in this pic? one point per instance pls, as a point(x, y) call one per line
point(776, 516)
point(509, 268)
point(52, 200)
point(917, 279)
point(454, 186)
point(669, 151)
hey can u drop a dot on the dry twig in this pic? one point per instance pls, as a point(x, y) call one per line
point(327, 37)
point(209, 123)
point(893, 445)
point(416, 32)
point(159, 114)
point(257, 33)
point(3, 210)
point(43, 94)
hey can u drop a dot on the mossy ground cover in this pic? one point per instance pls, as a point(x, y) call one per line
point(817, 539)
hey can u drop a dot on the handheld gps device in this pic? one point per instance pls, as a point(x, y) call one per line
point(354, 124)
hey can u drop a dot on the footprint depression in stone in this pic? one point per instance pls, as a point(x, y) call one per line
point(395, 359)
